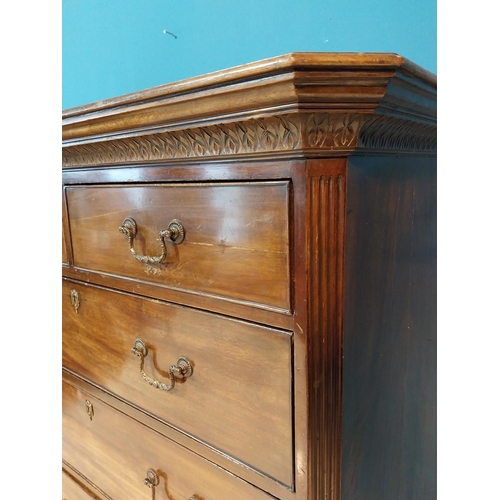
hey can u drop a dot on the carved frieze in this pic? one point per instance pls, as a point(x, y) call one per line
point(325, 130)
point(246, 138)
point(387, 133)
point(319, 133)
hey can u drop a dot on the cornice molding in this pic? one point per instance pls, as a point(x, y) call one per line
point(297, 134)
point(353, 65)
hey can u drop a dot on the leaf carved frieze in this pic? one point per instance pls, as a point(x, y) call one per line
point(381, 132)
point(259, 135)
point(327, 130)
point(320, 131)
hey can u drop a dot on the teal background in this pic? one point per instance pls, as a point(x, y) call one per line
point(112, 47)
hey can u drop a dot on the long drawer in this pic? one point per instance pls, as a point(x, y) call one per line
point(226, 240)
point(238, 398)
point(117, 454)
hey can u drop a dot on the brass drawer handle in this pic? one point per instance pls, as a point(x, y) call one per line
point(175, 232)
point(152, 480)
point(182, 370)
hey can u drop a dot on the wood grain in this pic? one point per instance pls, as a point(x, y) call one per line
point(239, 398)
point(206, 171)
point(72, 490)
point(115, 452)
point(213, 455)
point(236, 243)
point(248, 311)
point(66, 238)
point(64, 251)
point(304, 292)
point(389, 419)
point(309, 61)
point(258, 110)
point(326, 198)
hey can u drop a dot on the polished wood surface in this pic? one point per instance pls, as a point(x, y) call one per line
point(64, 251)
point(266, 83)
point(322, 61)
point(389, 402)
point(244, 310)
point(115, 451)
point(71, 490)
point(274, 488)
point(232, 230)
point(296, 105)
point(66, 238)
point(326, 198)
point(304, 293)
point(239, 397)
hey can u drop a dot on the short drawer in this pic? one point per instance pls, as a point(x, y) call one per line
point(235, 245)
point(117, 453)
point(238, 398)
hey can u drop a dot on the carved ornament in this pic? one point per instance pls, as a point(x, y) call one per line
point(320, 133)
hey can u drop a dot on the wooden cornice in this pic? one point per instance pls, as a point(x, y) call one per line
point(302, 104)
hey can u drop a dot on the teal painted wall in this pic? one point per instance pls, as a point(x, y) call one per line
point(113, 47)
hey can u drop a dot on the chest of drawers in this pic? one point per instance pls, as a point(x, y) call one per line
point(249, 285)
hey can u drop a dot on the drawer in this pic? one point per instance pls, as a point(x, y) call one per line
point(236, 236)
point(115, 453)
point(239, 396)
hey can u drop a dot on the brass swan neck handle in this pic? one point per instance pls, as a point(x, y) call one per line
point(174, 232)
point(183, 369)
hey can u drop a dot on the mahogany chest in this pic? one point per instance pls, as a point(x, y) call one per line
point(249, 296)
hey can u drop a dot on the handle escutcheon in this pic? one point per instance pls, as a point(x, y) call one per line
point(89, 408)
point(183, 369)
point(175, 233)
point(75, 299)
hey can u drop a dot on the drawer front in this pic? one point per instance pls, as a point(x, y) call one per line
point(239, 396)
point(236, 242)
point(115, 452)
